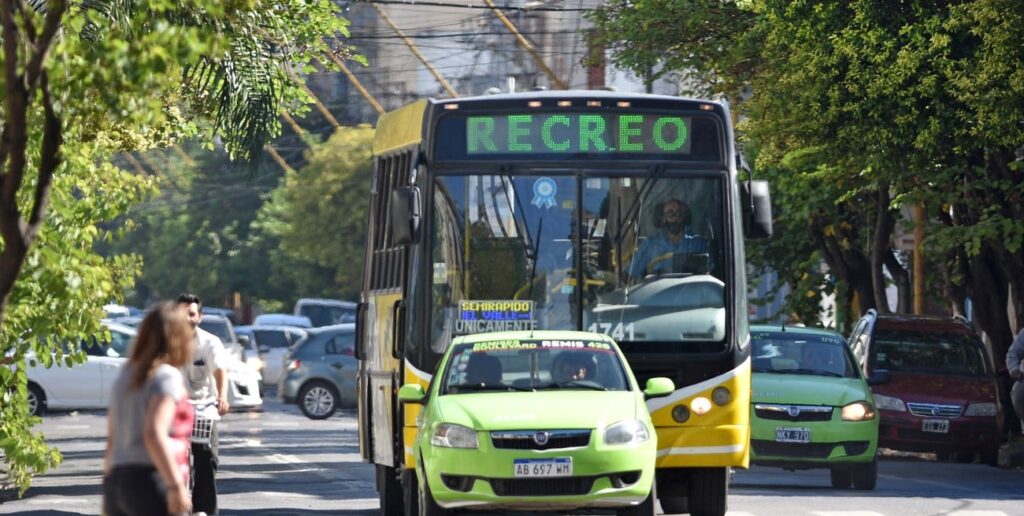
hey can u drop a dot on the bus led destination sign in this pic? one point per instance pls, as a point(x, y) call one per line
point(498, 315)
point(573, 133)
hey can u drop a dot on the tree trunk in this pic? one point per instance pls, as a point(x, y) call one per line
point(881, 246)
point(901, 276)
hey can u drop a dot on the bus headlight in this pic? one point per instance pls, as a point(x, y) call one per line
point(858, 411)
point(981, 409)
point(447, 435)
point(889, 403)
point(627, 432)
point(700, 405)
point(681, 413)
point(721, 396)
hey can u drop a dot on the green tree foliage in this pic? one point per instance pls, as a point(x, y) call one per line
point(317, 218)
point(857, 108)
point(83, 81)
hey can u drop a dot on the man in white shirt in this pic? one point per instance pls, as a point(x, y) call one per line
point(206, 377)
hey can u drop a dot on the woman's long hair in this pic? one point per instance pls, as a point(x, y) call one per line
point(165, 337)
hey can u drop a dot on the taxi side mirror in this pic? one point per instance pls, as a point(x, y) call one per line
point(411, 393)
point(657, 387)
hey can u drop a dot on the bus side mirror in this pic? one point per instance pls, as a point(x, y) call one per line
point(405, 215)
point(757, 209)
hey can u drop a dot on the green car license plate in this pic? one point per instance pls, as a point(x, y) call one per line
point(536, 468)
point(792, 435)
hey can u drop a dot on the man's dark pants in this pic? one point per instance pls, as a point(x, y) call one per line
point(204, 471)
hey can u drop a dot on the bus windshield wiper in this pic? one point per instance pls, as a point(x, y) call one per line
point(575, 384)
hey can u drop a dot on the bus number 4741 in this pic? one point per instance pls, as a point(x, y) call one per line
point(617, 331)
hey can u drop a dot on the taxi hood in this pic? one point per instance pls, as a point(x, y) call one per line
point(548, 409)
point(799, 389)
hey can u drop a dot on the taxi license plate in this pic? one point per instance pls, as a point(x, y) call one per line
point(792, 435)
point(536, 468)
point(939, 426)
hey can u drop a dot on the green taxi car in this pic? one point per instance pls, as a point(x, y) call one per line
point(810, 406)
point(544, 420)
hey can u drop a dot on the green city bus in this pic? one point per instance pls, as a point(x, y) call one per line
point(623, 214)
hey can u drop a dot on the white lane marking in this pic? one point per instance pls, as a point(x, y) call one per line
point(975, 513)
point(847, 513)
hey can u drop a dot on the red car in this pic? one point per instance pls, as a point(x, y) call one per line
point(943, 397)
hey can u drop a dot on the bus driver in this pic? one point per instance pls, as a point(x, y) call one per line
point(656, 254)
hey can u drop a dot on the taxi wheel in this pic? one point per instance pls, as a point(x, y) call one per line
point(842, 477)
point(646, 507)
point(429, 507)
point(865, 476)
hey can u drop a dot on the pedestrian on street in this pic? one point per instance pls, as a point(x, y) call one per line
point(1015, 365)
point(149, 421)
point(206, 376)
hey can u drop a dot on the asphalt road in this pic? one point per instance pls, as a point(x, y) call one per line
point(276, 461)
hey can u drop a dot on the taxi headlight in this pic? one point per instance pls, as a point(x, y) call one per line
point(889, 403)
point(981, 409)
point(626, 432)
point(858, 411)
point(447, 435)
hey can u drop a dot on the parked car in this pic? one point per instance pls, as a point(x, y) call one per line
point(269, 345)
point(298, 321)
point(811, 407)
point(82, 386)
point(227, 313)
point(325, 312)
point(549, 420)
point(320, 371)
point(87, 385)
point(943, 395)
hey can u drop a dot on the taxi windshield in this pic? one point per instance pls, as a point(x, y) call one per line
point(639, 256)
point(512, 365)
point(800, 353)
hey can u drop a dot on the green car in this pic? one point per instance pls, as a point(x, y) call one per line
point(544, 420)
point(810, 406)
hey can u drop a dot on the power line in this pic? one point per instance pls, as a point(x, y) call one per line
point(473, 6)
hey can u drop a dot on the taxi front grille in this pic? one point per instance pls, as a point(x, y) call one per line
point(540, 439)
point(807, 450)
point(564, 486)
point(799, 450)
point(792, 412)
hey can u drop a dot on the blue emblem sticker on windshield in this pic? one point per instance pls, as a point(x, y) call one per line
point(544, 190)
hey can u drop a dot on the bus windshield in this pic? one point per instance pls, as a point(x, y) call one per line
point(638, 256)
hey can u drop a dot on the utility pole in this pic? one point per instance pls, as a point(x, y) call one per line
point(918, 258)
point(355, 82)
point(525, 43)
point(416, 51)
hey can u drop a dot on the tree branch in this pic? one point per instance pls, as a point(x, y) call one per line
point(15, 135)
point(49, 160)
point(51, 25)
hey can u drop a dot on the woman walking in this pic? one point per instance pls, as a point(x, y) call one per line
point(150, 420)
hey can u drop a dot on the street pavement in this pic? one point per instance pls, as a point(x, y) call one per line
point(276, 461)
